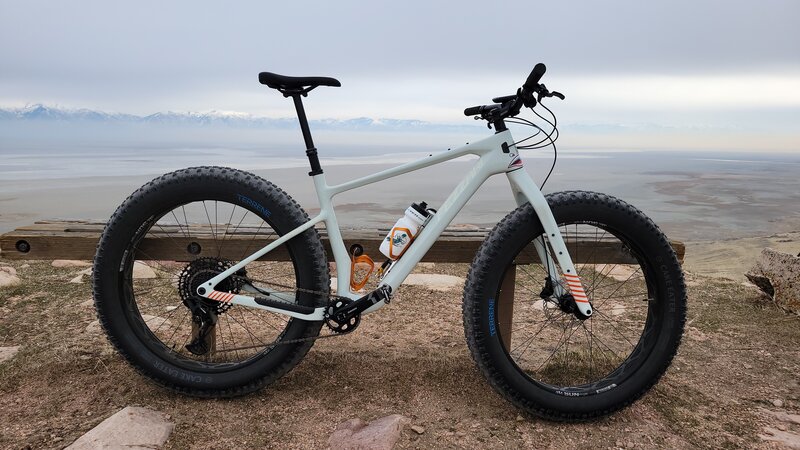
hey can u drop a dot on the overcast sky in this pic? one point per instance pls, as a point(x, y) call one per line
point(727, 65)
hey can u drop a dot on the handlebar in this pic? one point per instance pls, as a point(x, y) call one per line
point(534, 77)
point(481, 109)
point(510, 105)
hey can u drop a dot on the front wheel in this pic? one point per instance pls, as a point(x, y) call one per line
point(526, 339)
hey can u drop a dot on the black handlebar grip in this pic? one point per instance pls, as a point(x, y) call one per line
point(505, 98)
point(473, 111)
point(535, 76)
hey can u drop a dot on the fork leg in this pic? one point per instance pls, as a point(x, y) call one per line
point(523, 186)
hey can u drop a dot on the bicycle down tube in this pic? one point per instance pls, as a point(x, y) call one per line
point(493, 160)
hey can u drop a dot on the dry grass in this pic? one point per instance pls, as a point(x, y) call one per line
point(739, 354)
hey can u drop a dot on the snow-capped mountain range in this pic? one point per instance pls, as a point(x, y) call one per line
point(39, 112)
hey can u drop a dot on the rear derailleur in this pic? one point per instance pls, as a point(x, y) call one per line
point(203, 321)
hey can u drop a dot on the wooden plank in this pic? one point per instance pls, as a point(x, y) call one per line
point(78, 240)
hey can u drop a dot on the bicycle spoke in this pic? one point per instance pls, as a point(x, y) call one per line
point(543, 324)
point(161, 301)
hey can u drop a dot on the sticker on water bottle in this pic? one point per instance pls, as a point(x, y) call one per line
point(400, 238)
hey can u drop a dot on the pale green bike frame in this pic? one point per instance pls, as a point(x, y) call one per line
point(497, 154)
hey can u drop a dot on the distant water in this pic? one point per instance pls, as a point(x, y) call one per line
point(692, 195)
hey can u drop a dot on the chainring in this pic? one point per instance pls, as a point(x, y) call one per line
point(343, 327)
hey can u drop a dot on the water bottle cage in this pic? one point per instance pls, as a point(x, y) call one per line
point(363, 259)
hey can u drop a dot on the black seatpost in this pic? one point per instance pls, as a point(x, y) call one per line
point(311, 151)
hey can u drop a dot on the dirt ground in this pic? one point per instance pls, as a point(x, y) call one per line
point(738, 362)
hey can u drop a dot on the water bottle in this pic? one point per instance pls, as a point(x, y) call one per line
point(405, 230)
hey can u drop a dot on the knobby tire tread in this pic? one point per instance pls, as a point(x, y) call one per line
point(482, 265)
point(249, 183)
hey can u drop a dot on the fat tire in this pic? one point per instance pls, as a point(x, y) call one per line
point(306, 249)
point(487, 271)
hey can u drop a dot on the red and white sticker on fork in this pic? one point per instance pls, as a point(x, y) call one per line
point(223, 297)
point(575, 286)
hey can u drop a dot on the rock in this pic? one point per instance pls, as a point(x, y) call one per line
point(87, 303)
point(778, 275)
point(154, 321)
point(24, 266)
point(94, 327)
point(132, 428)
point(7, 353)
point(790, 440)
point(8, 276)
point(380, 434)
point(777, 403)
point(695, 334)
point(783, 417)
point(142, 270)
point(78, 279)
point(418, 429)
point(70, 263)
point(434, 281)
point(618, 310)
point(464, 227)
point(619, 272)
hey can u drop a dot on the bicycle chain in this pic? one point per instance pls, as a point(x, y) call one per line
point(331, 298)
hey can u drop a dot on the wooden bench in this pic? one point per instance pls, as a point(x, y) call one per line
point(78, 240)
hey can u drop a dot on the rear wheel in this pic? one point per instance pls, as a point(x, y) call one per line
point(208, 218)
point(525, 337)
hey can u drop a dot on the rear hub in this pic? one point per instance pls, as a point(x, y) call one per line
point(200, 271)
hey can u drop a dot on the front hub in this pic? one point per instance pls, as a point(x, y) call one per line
point(567, 304)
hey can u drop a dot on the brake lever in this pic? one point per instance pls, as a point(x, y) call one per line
point(543, 92)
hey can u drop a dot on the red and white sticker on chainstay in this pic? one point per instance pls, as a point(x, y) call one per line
point(223, 297)
point(575, 286)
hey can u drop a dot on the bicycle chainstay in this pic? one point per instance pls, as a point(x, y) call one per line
point(332, 298)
